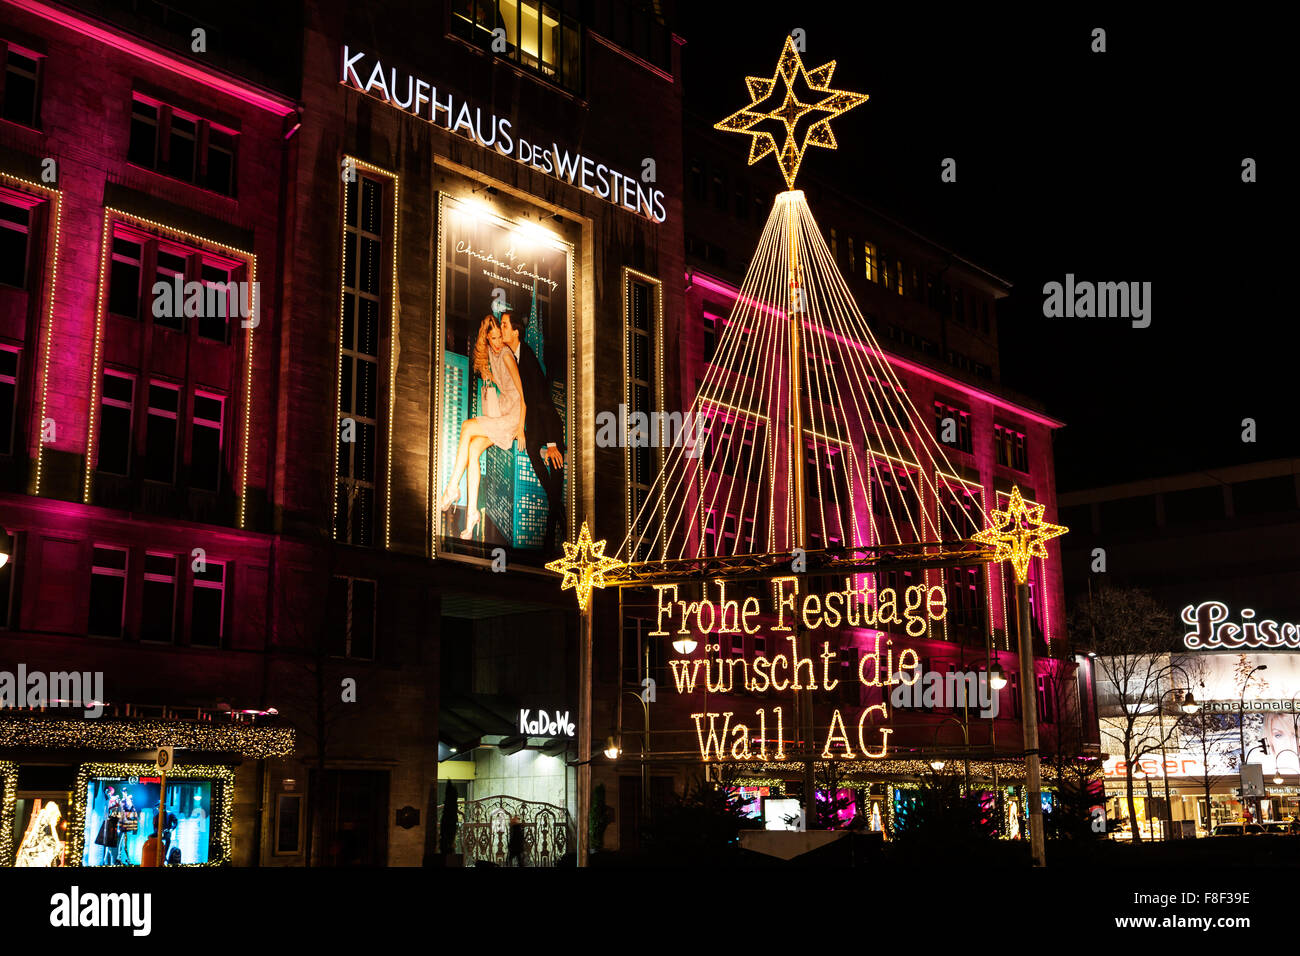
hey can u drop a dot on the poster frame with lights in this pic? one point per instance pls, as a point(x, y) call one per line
point(440, 544)
point(223, 794)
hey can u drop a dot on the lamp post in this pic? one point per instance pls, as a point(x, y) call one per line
point(1241, 731)
point(584, 567)
point(645, 751)
point(1019, 534)
point(1188, 706)
point(938, 765)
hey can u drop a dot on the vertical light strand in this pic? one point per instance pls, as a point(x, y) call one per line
point(394, 330)
point(338, 391)
point(255, 311)
point(46, 334)
point(435, 430)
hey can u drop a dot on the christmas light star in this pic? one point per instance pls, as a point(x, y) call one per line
point(1019, 533)
point(790, 110)
point(584, 566)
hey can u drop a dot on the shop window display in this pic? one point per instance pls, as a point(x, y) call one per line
point(122, 813)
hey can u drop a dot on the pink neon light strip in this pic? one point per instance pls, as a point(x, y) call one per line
point(151, 54)
point(922, 370)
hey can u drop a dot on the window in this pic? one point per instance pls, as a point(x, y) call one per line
point(738, 645)
point(869, 261)
point(956, 434)
point(965, 597)
point(160, 432)
point(826, 474)
point(21, 86)
point(170, 268)
point(852, 264)
point(711, 323)
point(9, 599)
point(205, 441)
point(182, 145)
point(158, 607)
point(288, 823)
point(1046, 701)
point(124, 277)
point(359, 374)
point(15, 227)
point(544, 37)
point(352, 618)
point(887, 405)
point(208, 604)
point(220, 302)
point(107, 591)
point(8, 397)
point(959, 306)
point(742, 203)
point(115, 408)
point(1009, 445)
point(697, 180)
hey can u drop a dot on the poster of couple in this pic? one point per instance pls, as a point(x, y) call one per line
point(503, 450)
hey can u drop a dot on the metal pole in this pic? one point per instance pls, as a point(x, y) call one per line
point(1164, 770)
point(803, 698)
point(645, 743)
point(584, 735)
point(1029, 720)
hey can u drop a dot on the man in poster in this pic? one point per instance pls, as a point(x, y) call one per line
point(543, 429)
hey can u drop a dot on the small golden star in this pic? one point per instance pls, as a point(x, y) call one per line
point(790, 111)
point(584, 566)
point(1019, 533)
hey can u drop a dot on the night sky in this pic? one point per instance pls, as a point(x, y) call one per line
point(1119, 166)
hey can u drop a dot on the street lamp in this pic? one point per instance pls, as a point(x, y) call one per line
point(1241, 731)
point(685, 645)
point(612, 749)
point(1190, 706)
point(997, 678)
point(937, 765)
point(6, 547)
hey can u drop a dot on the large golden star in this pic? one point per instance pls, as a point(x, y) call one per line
point(1019, 533)
point(584, 566)
point(789, 110)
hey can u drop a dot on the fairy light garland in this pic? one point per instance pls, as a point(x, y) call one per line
point(223, 796)
point(108, 734)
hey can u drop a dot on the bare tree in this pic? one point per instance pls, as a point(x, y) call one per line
point(1132, 636)
point(1208, 735)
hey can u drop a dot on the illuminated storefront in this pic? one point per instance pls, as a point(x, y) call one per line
point(1246, 690)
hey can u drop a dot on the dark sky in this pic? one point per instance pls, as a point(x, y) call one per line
point(1119, 166)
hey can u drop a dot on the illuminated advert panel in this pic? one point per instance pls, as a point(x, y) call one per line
point(505, 405)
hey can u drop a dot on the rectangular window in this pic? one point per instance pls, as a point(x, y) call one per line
point(288, 823)
point(221, 304)
point(170, 267)
point(869, 261)
point(205, 441)
point(124, 277)
point(143, 147)
point(15, 229)
point(181, 145)
point(358, 416)
point(107, 591)
point(22, 87)
point(158, 607)
point(9, 599)
point(208, 605)
point(1010, 448)
point(115, 415)
point(711, 328)
point(542, 37)
point(352, 618)
point(965, 597)
point(160, 432)
point(952, 426)
point(8, 397)
point(1046, 701)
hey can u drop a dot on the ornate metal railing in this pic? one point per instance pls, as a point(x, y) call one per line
point(484, 831)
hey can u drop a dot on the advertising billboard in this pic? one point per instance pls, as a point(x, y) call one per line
point(505, 402)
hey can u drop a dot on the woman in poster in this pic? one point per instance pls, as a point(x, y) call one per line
point(501, 424)
point(110, 835)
